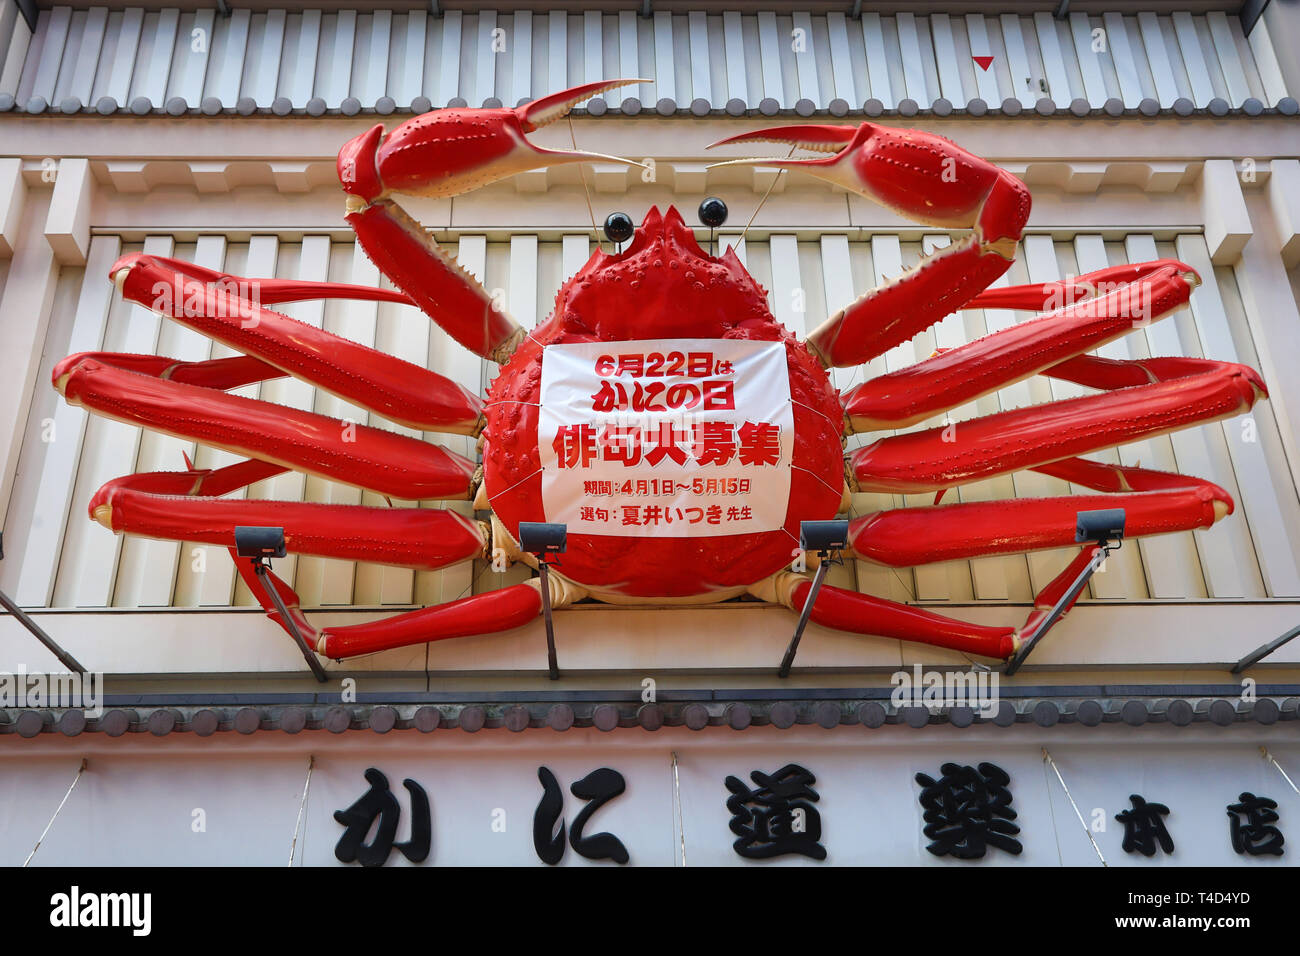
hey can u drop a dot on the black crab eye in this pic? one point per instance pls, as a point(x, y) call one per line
point(619, 227)
point(713, 212)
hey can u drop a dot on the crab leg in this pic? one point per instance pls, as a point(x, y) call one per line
point(229, 309)
point(866, 614)
point(927, 179)
point(360, 455)
point(184, 506)
point(930, 460)
point(1155, 502)
point(440, 154)
point(859, 613)
point(478, 614)
point(1046, 295)
point(488, 613)
point(959, 375)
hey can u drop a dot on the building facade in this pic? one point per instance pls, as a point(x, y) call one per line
point(210, 134)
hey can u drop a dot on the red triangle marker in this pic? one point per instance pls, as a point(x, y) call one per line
point(984, 61)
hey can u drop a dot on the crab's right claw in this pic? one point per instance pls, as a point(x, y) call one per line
point(451, 151)
point(918, 175)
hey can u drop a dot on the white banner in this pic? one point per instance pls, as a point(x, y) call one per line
point(665, 438)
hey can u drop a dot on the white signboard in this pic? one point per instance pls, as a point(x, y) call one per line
point(222, 802)
point(665, 438)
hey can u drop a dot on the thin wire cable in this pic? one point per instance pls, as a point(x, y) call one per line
point(293, 847)
point(677, 806)
point(1051, 812)
point(1273, 760)
point(80, 771)
point(582, 171)
point(1047, 758)
point(772, 185)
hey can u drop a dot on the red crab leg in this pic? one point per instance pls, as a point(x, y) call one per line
point(931, 460)
point(929, 180)
point(1155, 502)
point(488, 613)
point(446, 153)
point(1109, 374)
point(183, 506)
point(960, 375)
point(229, 310)
point(865, 614)
point(360, 455)
point(860, 613)
point(1046, 295)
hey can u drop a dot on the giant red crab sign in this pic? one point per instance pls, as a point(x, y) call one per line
point(661, 411)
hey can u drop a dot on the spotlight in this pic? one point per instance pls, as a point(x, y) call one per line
point(1101, 526)
point(259, 544)
point(541, 538)
point(254, 542)
point(822, 537)
point(1105, 527)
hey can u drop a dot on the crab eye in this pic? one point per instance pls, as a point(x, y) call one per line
point(619, 227)
point(713, 212)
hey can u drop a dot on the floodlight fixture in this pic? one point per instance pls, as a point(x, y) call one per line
point(541, 539)
point(823, 537)
point(1103, 527)
point(257, 542)
point(259, 545)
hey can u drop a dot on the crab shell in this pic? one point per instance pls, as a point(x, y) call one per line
point(664, 286)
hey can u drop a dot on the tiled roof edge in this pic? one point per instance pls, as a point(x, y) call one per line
point(736, 714)
point(351, 106)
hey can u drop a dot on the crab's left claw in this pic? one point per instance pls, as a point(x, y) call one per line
point(924, 178)
point(451, 151)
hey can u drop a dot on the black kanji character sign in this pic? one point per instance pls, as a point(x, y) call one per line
point(599, 787)
point(1144, 827)
point(379, 803)
point(1257, 836)
point(968, 810)
point(778, 817)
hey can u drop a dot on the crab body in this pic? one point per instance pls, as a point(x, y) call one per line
point(664, 287)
